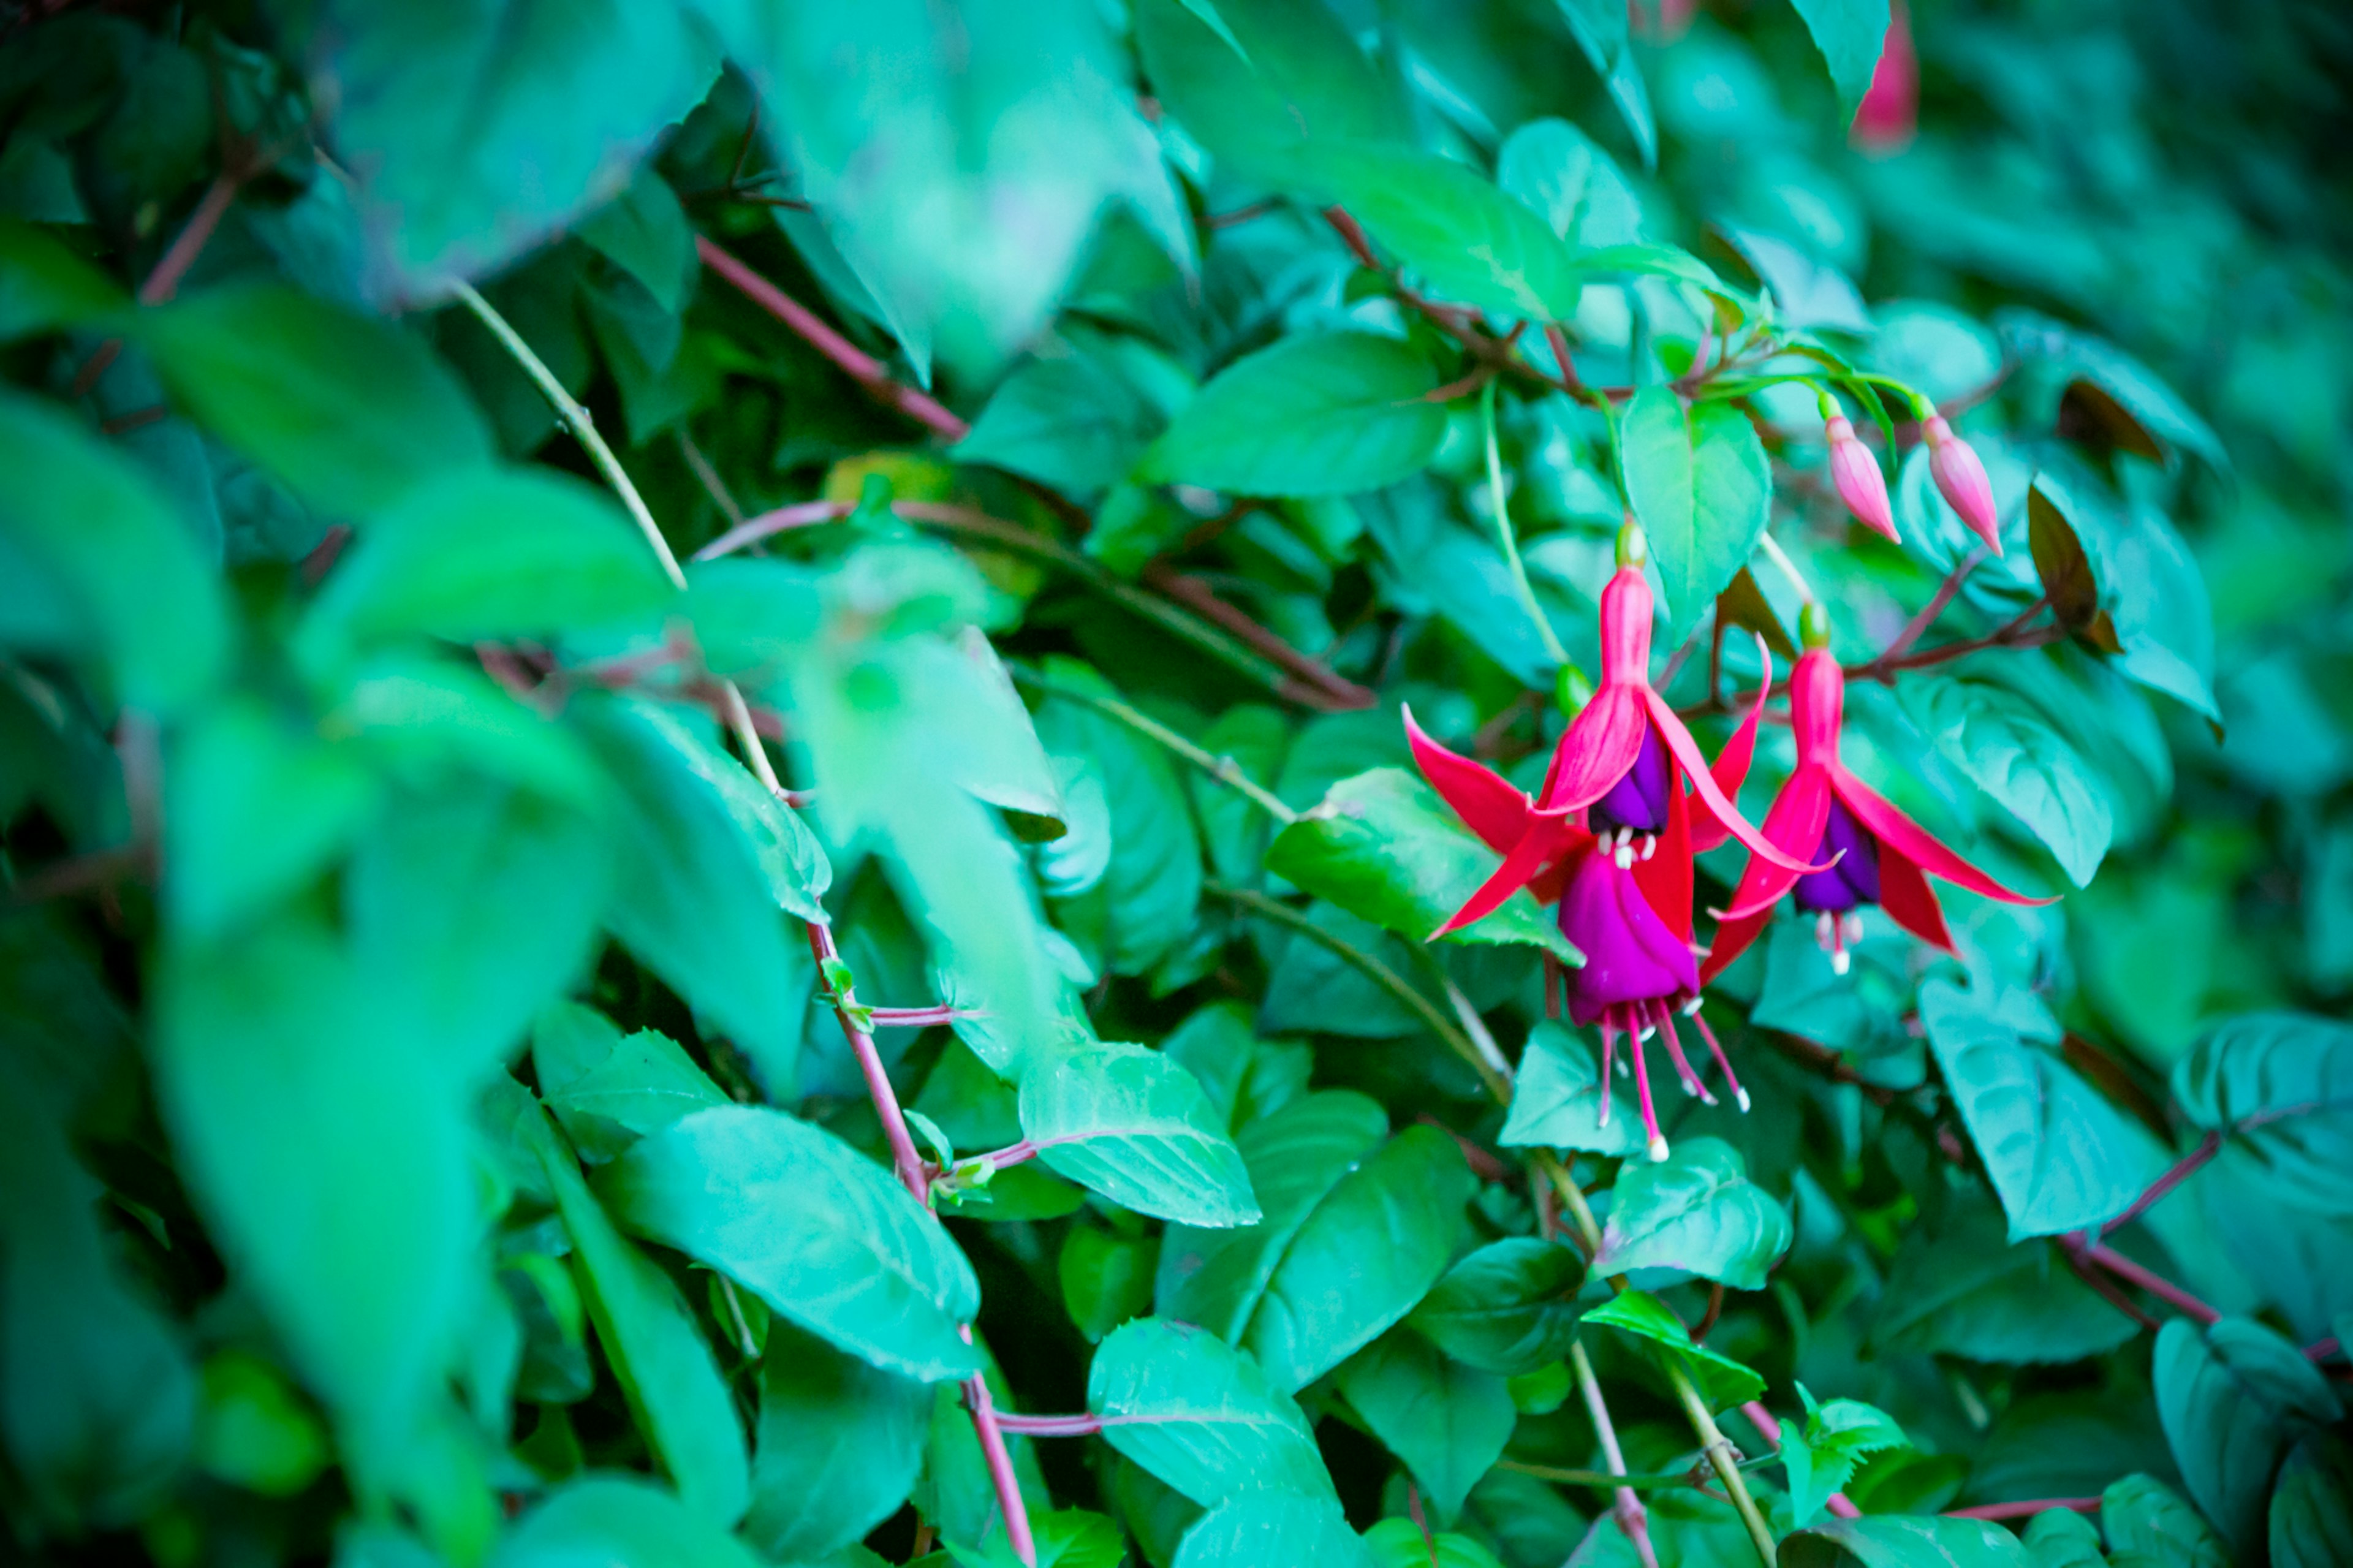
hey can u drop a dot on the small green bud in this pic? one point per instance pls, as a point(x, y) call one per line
point(1571, 687)
point(1634, 548)
point(1814, 626)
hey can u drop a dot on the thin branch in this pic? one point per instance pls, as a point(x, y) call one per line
point(164, 281)
point(1917, 626)
point(2207, 1147)
point(1527, 591)
point(1998, 1511)
point(2012, 633)
point(708, 477)
point(1222, 768)
point(1631, 1518)
point(2102, 1286)
point(861, 366)
point(1721, 1454)
point(1342, 693)
point(2156, 1285)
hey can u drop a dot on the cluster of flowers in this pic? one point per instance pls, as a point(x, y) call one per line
point(1628, 799)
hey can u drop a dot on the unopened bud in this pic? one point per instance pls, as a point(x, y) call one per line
point(1814, 626)
point(1961, 480)
point(1572, 689)
point(1634, 548)
point(1860, 483)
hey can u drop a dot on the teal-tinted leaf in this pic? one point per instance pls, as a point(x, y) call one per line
point(1506, 1308)
point(1274, 1526)
point(1557, 1100)
point(1106, 1278)
point(693, 902)
point(427, 721)
point(1697, 1211)
point(494, 554)
point(1071, 422)
point(1067, 1538)
point(1363, 1258)
point(2122, 579)
point(97, 562)
point(1821, 1458)
point(615, 1518)
point(350, 413)
point(1723, 1381)
point(1849, 33)
point(1400, 1544)
point(45, 287)
point(791, 862)
point(2312, 1507)
point(1961, 1288)
point(1448, 1423)
point(1276, 85)
point(2131, 391)
point(2067, 1445)
point(1201, 1415)
point(1320, 414)
point(651, 1339)
point(751, 615)
point(474, 132)
point(2146, 1521)
point(2283, 1084)
point(1895, 1542)
point(2060, 1158)
point(2235, 1397)
point(1464, 237)
point(1663, 261)
point(821, 1232)
point(839, 1444)
point(1383, 846)
point(1808, 294)
point(1654, 464)
point(2013, 753)
point(1136, 1128)
point(1599, 29)
point(2062, 1537)
point(254, 1431)
point(644, 232)
point(1571, 183)
point(643, 1084)
point(1701, 489)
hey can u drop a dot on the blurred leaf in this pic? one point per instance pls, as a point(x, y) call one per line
point(2012, 753)
point(2235, 1397)
point(1723, 1381)
point(2068, 1445)
point(1136, 1127)
point(1903, 1543)
point(1571, 183)
point(1448, 1423)
point(1849, 34)
point(1320, 414)
point(253, 1430)
point(2125, 580)
point(1961, 1288)
point(839, 1444)
point(1808, 294)
point(98, 562)
point(2146, 1521)
point(1073, 422)
point(2124, 382)
point(350, 413)
point(644, 232)
point(1506, 1308)
point(2283, 1082)
point(1201, 1416)
point(45, 287)
point(2312, 1508)
point(1557, 1100)
point(1697, 1211)
point(611, 1518)
point(1599, 28)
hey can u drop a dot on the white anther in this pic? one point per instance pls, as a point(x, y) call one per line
point(1825, 930)
point(1690, 1007)
point(1657, 1150)
point(1840, 962)
point(1648, 1030)
point(1624, 856)
point(1853, 925)
point(1743, 1099)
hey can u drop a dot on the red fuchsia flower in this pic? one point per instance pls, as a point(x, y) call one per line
point(1961, 480)
point(1856, 473)
point(1890, 111)
point(1611, 837)
point(1879, 854)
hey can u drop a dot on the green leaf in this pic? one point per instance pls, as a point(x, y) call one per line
point(1599, 28)
point(1106, 1279)
point(1723, 1381)
point(2234, 1398)
point(494, 553)
point(693, 902)
point(839, 1445)
point(1448, 1423)
point(2013, 753)
point(1273, 87)
point(2062, 1537)
point(2060, 1158)
point(1702, 490)
point(350, 413)
point(1067, 1538)
point(1399, 1543)
point(1557, 1100)
point(1891, 1542)
point(2122, 579)
point(254, 1430)
point(98, 564)
point(1808, 294)
point(1571, 183)
point(1274, 1526)
point(45, 287)
point(644, 232)
point(1201, 1415)
point(1697, 1211)
point(1960, 1289)
point(2281, 1083)
point(618, 1519)
point(2149, 411)
point(645, 1083)
point(1849, 33)
point(1320, 414)
point(2312, 1507)
point(2147, 1522)
point(476, 132)
point(1136, 1128)
point(1507, 1307)
point(1383, 847)
point(1071, 422)
point(1821, 1458)
point(1456, 231)
point(673, 1382)
point(823, 1234)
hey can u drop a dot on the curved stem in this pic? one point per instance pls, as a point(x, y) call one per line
point(1789, 568)
point(1631, 1517)
point(1720, 1454)
point(1224, 769)
point(1550, 638)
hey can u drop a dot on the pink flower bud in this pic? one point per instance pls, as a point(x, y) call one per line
point(1860, 483)
point(1961, 480)
point(1890, 112)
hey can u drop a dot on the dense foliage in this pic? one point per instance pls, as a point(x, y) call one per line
point(712, 856)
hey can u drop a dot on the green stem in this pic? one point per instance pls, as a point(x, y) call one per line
point(1650, 1481)
point(1223, 769)
point(1379, 974)
point(1789, 568)
point(1719, 1451)
point(577, 420)
point(1527, 592)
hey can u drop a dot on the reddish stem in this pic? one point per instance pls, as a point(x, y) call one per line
point(861, 366)
point(2321, 1349)
point(2156, 1285)
point(1770, 1428)
point(2024, 1510)
point(1197, 596)
point(2072, 1252)
point(1918, 626)
point(2207, 1147)
point(164, 281)
point(916, 1017)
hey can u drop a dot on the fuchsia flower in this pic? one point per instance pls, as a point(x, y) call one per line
point(1623, 875)
point(1856, 473)
point(1961, 480)
point(1881, 856)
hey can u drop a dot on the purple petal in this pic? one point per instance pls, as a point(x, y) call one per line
point(1630, 954)
point(1639, 799)
point(1854, 879)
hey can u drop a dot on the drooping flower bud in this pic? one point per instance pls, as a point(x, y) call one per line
point(1860, 483)
point(1961, 480)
